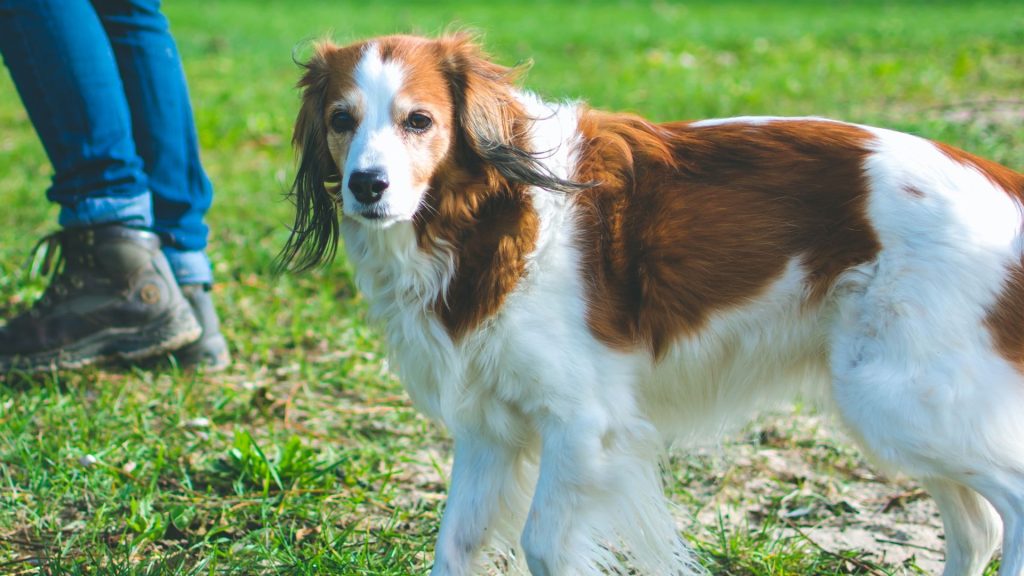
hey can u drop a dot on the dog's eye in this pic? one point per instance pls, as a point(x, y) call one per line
point(418, 122)
point(342, 121)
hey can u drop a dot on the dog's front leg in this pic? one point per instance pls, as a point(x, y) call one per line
point(570, 469)
point(479, 478)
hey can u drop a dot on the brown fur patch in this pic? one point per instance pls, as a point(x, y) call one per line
point(472, 206)
point(493, 230)
point(691, 220)
point(1006, 320)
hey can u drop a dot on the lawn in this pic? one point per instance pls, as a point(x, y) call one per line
point(306, 457)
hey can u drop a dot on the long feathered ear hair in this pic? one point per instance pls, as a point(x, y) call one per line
point(316, 191)
point(490, 121)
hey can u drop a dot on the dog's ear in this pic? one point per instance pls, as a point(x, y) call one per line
point(491, 122)
point(486, 111)
point(316, 190)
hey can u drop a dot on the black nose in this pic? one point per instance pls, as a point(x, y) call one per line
point(368, 185)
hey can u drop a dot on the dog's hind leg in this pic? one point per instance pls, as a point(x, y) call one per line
point(955, 421)
point(957, 429)
point(1013, 533)
point(1004, 488)
point(918, 380)
point(971, 526)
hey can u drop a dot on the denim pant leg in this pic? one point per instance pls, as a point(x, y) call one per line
point(164, 130)
point(65, 72)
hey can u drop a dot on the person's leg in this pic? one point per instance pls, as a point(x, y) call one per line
point(62, 65)
point(113, 293)
point(165, 137)
point(164, 130)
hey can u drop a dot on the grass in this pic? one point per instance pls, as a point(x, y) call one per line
point(306, 457)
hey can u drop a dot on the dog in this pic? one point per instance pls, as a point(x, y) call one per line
point(570, 291)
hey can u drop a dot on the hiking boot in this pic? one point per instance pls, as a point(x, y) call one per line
point(210, 352)
point(112, 295)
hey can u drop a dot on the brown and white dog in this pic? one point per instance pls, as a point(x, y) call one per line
point(569, 291)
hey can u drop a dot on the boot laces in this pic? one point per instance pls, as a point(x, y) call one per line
point(47, 257)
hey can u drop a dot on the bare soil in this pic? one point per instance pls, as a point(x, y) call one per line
point(806, 473)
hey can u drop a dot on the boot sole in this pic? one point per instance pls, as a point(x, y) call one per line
point(173, 330)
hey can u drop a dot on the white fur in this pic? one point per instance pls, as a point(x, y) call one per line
point(558, 437)
point(752, 120)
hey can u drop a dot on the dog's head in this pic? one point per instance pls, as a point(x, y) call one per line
point(384, 123)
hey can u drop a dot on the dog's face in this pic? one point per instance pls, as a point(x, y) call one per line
point(402, 128)
point(389, 124)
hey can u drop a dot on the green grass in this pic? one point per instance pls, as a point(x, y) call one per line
point(306, 457)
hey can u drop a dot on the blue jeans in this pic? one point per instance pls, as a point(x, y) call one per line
point(104, 87)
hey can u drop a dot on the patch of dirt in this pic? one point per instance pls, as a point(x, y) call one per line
point(805, 473)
